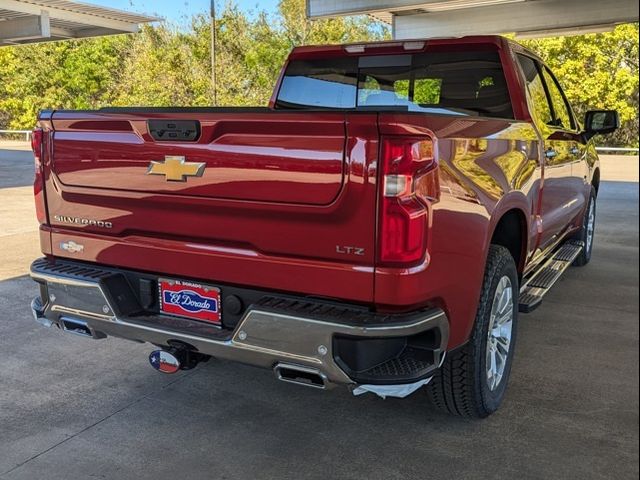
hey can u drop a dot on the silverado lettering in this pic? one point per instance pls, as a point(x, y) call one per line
point(422, 163)
point(82, 221)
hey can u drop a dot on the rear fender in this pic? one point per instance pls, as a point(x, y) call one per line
point(518, 201)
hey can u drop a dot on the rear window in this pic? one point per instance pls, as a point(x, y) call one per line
point(461, 83)
point(320, 84)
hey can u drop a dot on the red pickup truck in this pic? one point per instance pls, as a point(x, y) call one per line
point(379, 226)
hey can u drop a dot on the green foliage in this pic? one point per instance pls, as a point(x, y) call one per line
point(72, 75)
point(298, 30)
point(161, 67)
point(598, 71)
point(164, 66)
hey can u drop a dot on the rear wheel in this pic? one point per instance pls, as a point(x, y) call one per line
point(473, 379)
point(587, 233)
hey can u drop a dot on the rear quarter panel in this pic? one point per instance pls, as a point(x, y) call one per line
point(486, 168)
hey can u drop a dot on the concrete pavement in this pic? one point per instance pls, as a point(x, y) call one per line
point(75, 408)
point(18, 225)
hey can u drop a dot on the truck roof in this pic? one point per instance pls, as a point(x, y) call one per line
point(404, 46)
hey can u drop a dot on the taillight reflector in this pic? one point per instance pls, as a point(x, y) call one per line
point(409, 185)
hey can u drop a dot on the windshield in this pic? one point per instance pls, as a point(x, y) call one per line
point(459, 83)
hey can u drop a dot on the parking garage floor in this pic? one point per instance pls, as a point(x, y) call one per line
point(72, 408)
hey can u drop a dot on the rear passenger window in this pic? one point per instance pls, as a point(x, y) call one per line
point(427, 91)
point(461, 82)
point(536, 88)
point(384, 87)
point(375, 91)
point(401, 88)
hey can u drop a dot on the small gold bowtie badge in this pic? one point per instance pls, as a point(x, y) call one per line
point(176, 169)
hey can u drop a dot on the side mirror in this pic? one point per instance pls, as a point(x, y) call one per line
point(601, 122)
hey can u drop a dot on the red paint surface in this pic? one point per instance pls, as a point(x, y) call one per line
point(286, 194)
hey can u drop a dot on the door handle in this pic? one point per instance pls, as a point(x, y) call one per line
point(550, 153)
point(574, 151)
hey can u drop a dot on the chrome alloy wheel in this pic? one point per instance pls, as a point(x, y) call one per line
point(591, 224)
point(499, 333)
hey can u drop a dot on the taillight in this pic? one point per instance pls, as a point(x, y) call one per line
point(37, 145)
point(409, 185)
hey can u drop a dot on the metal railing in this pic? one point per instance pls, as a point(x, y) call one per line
point(18, 133)
point(617, 149)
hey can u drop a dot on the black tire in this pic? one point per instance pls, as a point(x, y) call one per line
point(461, 386)
point(583, 233)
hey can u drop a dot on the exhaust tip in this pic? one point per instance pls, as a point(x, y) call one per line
point(75, 326)
point(305, 376)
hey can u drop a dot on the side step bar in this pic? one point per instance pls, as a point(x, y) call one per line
point(538, 285)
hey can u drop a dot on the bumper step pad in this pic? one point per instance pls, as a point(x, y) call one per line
point(411, 364)
point(539, 284)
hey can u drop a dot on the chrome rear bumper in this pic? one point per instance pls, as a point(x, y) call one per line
point(82, 299)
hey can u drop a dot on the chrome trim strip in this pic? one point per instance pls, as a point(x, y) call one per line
point(74, 311)
point(43, 277)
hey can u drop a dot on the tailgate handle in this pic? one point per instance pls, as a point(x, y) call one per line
point(174, 130)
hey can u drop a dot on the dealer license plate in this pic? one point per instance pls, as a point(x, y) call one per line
point(190, 300)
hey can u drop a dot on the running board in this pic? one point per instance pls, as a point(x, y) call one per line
point(537, 286)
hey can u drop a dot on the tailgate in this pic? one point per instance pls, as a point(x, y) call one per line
point(275, 189)
point(263, 157)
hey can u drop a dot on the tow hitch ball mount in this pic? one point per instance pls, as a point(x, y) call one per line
point(176, 357)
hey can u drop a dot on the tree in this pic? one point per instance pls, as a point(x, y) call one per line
point(161, 67)
point(299, 30)
point(165, 65)
point(598, 71)
point(72, 75)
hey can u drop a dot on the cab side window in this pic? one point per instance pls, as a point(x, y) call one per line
point(537, 89)
point(563, 117)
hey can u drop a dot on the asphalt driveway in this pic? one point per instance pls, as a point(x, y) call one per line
point(72, 408)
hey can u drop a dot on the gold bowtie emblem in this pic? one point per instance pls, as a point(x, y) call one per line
point(176, 169)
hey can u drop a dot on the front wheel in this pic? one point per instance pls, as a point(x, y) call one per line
point(473, 379)
point(587, 232)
